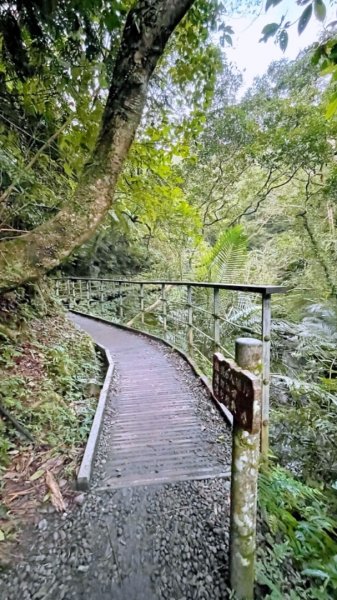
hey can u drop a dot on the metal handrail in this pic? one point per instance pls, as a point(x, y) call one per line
point(123, 307)
point(235, 287)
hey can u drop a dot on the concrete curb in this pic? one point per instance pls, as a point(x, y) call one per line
point(85, 470)
point(204, 380)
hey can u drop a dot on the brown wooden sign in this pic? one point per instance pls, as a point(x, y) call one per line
point(239, 391)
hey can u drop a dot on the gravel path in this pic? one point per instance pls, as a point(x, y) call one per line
point(167, 541)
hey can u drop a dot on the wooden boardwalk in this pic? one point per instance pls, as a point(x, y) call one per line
point(158, 434)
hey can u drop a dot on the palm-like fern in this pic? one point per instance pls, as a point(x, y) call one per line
point(225, 262)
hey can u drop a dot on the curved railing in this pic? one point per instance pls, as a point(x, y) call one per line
point(198, 318)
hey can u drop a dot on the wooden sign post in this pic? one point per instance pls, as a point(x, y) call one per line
point(237, 385)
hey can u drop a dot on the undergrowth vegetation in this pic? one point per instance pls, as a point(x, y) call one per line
point(298, 498)
point(298, 538)
point(47, 368)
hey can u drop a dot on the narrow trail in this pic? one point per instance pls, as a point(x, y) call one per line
point(158, 435)
point(154, 524)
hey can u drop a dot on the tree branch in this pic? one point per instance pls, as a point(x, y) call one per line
point(249, 210)
point(147, 30)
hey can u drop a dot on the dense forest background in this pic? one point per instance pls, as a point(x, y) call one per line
point(231, 187)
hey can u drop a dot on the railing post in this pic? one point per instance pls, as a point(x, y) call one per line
point(57, 289)
point(101, 296)
point(74, 293)
point(189, 320)
point(141, 302)
point(121, 311)
point(164, 307)
point(68, 293)
point(245, 467)
point(216, 331)
point(80, 293)
point(266, 330)
point(87, 287)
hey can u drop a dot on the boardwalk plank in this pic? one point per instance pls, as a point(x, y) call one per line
point(158, 435)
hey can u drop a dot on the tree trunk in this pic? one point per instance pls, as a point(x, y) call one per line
point(148, 27)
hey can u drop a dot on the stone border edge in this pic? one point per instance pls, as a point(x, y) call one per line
point(204, 380)
point(87, 463)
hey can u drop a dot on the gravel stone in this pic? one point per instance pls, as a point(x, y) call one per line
point(43, 524)
point(160, 542)
point(79, 499)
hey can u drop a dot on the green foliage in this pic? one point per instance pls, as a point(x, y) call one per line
point(43, 382)
point(5, 445)
point(300, 515)
point(52, 107)
point(320, 10)
point(283, 40)
point(269, 31)
point(304, 19)
point(316, 7)
point(270, 3)
point(268, 164)
point(304, 401)
point(225, 262)
point(325, 52)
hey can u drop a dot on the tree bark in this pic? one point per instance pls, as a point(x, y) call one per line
point(148, 27)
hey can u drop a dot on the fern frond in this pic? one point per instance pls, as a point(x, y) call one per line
point(305, 387)
point(225, 262)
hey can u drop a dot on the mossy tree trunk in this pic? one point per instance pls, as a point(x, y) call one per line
point(148, 27)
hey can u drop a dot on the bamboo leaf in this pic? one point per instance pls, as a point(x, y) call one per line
point(37, 475)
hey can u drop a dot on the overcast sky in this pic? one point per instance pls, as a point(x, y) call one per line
point(251, 57)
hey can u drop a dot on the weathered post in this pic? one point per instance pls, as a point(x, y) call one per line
point(68, 294)
point(189, 320)
point(266, 331)
point(238, 386)
point(73, 295)
point(101, 297)
point(80, 292)
point(141, 302)
point(245, 469)
point(121, 308)
point(216, 307)
point(164, 307)
point(87, 289)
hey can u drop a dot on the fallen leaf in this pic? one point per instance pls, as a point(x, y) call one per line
point(12, 497)
point(56, 496)
point(2, 535)
point(10, 475)
point(53, 463)
point(36, 475)
point(29, 462)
